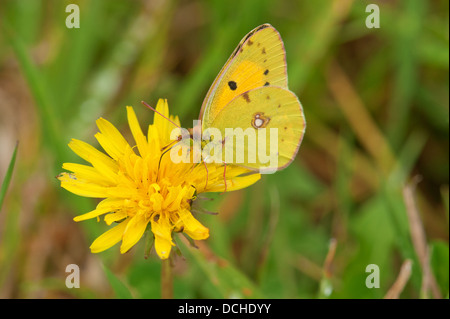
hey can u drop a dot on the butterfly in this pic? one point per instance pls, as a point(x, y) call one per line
point(250, 95)
point(251, 92)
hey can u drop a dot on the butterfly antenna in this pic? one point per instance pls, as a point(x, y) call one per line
point(151, 108)
point(177, 140)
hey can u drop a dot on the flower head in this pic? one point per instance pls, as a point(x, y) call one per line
point(142, 186)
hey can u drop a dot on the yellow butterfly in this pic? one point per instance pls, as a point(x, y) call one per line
point(251, 93)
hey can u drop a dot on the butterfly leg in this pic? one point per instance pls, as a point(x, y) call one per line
point(194, 164)
point(224, 178)
point(207, 173)
point(224, 169)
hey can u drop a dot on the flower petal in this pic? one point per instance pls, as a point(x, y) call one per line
point(234, 183)
point(162, 230)
point(111, 203)
point(163, 247)
point(92, 214)
point(110, 139)
point(162, 128)
point(88, 153)
point(81, 187)
point(161, 124)
point(122, 192)
point(88, 173)
point(135, 128)
point(109, 238)
point(193, 227)
point(133, 232)
point(116, 216)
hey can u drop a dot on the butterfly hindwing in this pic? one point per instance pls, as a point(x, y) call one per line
point(264, 107)
point(259, 60)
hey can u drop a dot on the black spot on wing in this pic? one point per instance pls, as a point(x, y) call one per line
point(248, 36)
point(251, 33)
point(262, 26)
point(266, 84)
point(232, 85)
point(236, 51)
point(240, 46)
point(266, 72)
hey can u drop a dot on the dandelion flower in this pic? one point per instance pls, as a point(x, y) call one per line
point(142, 187)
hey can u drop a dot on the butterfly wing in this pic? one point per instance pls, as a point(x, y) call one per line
point(265, 107)
point(259, 60)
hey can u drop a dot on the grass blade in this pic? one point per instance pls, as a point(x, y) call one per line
point(7, 179)
point(121, 291)
point(37, 84)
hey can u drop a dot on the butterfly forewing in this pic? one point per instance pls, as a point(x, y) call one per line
point(258, 61)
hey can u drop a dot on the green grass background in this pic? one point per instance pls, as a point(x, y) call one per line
point(377, 106)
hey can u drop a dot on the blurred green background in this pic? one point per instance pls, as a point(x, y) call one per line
point(374, 158)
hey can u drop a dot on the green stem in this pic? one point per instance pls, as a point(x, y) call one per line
point(166, 279)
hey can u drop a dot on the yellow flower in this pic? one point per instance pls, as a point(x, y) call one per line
point(141, 186)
